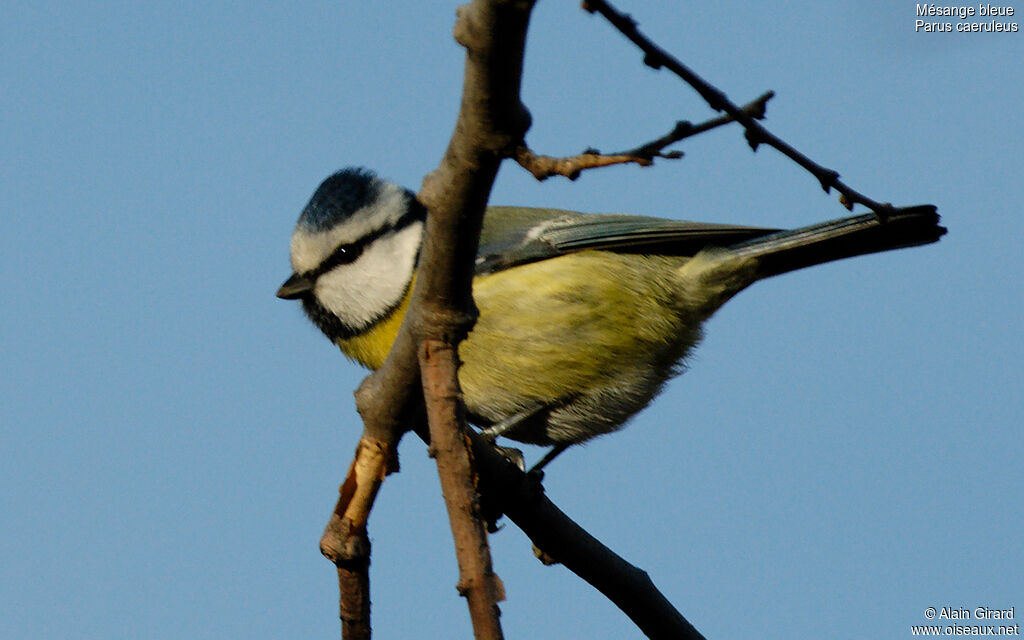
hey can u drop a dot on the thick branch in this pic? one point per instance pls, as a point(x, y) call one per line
point(543, 167)
point(656, 57)
point(521, 498)
point(491, 119)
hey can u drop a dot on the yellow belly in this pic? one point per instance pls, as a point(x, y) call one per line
point(551, 329)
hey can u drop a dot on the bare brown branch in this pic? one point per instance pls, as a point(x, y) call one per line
point(491, 121)
point(656, 58)
point(345, 541)
point(521, 498)
point(543, 167)
point(450, 448)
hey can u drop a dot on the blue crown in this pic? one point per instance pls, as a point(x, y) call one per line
point(339, 196)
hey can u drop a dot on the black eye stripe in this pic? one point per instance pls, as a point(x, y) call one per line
point(346, 253)
point(349, 253)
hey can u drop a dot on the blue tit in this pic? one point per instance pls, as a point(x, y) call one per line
point(582, 317)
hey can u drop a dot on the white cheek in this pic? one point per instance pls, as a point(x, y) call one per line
point(361, 292)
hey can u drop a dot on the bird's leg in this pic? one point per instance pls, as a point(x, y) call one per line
point(548, 457)
point(501, 428)
point(492, 432)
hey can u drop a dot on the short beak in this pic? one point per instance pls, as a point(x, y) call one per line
point(295, 287)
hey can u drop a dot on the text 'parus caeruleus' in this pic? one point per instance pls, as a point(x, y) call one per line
point(583, 317)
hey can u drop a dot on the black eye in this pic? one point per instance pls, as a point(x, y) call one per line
point(345, 254)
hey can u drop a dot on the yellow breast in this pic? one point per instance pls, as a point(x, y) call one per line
point(371, 348)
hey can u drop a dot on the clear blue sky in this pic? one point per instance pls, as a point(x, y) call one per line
point(844, 452)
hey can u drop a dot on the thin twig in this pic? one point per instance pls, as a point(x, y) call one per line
point(543, 167)
point(656, 57)
point(445, 415)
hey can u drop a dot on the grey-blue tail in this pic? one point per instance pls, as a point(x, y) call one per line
point(786, 251)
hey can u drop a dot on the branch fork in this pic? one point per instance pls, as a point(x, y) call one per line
point(417, 386)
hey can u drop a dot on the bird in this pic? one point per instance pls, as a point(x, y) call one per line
point(582, 317)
